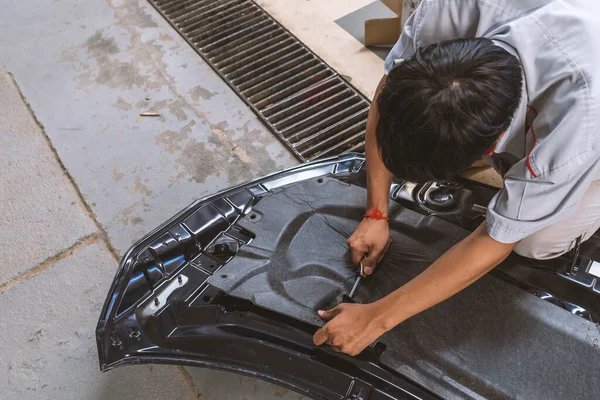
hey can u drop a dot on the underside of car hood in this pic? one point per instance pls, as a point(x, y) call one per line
point(234, 282)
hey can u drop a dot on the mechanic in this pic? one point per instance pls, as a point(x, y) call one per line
point(516, 82)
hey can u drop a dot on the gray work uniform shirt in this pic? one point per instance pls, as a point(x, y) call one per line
point(551, 152)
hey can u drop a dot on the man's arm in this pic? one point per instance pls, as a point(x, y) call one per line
point(372, 236)
point(379, 179)
point(352, 327)
point(458, 268)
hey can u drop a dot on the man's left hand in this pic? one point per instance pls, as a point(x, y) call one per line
point(351, 327)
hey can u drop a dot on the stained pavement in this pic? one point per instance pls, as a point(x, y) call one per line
point(83, 176)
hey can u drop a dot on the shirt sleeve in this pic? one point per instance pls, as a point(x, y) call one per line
point(546, 186)
point(405, 46)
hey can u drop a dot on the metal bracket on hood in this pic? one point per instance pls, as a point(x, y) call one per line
point(155, 303)
point(358, 390)
point(582, 270)
point(437, 198)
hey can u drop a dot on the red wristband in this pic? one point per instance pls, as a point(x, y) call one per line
point(376, 214)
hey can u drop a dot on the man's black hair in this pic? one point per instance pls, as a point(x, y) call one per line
point(444, 107)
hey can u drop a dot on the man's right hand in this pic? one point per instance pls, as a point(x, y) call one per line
point(370, 241)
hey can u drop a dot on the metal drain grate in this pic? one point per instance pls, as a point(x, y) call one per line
point(301, 99)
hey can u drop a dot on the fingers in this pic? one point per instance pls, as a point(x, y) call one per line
point(358, 252)
point(320, 336)
point(375, 253)
point(327, 315)
point(375, 256)
point(326, 336)
point(368, 254)
point(339, 346)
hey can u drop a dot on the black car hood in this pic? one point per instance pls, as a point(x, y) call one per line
point(235, 280)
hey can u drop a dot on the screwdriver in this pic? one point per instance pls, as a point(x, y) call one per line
point(360, 277)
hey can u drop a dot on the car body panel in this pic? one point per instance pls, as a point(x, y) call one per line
point(234, 281)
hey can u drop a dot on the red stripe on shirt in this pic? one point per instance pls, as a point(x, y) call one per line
point(534, 142)
point(491, 150)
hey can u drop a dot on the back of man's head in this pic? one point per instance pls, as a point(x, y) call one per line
point(444, 107)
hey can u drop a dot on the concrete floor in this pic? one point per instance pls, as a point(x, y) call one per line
point(83, 176)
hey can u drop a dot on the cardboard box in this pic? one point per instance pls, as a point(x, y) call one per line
point(386, 31)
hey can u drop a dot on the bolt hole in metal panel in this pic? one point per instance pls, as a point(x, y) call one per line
point(302, 100)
